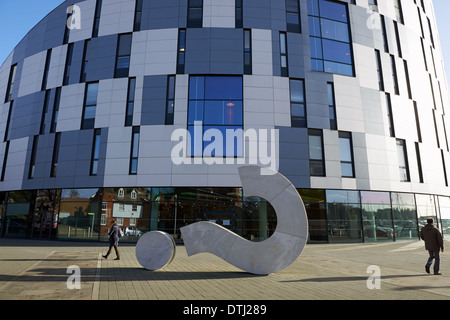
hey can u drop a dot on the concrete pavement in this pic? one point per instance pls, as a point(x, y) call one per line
point(36, 270)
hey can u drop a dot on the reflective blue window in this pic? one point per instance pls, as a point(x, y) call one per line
point(330, 37)
point(298, 110)
point(336, 51)
point(219, 88)
point(334, 30)
point(316, 49)
point(333, 10)
point(215, 106)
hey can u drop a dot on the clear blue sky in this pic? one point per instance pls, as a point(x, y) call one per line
point(17, 17)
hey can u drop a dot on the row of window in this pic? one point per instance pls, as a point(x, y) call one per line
point(401, 147)
point(329, 32)
point(317, 155)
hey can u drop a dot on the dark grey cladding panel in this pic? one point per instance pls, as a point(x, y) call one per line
point(276, 62)
point(47, 34)
point(157, 14)
point(257, 14)
point(74, 161)
point(294, 155)
point(296, 55)
point(26, 116)
point(214, 50)
point(278, 15)
point(154, 100)
point(44, 153)
point(102, 58)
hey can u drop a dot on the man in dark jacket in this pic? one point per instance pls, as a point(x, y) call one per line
point(113, 240)
point(433, 243)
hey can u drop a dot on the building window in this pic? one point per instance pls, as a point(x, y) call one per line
point(46, 69)
point(55, 110)
point(90, 106)
point(293, 16)
point(68, 64)
point(98, 13)
point(8, 121)
point(316, 154)
point(373, 5)
point(84, 63)
point(379, 70)
point(103, 219)
point(402, 160)
point(445, 131)
point(215, 102)
point(389, 115)
point(398, 11)
point(95, 152)
point(195, 14)
point(66, 28)
point(408, 82)
point(346, 151)
point(444, 168)
point(123, 56)
point(33, 157)
point(432, 91)
point(12, 79)
point(436, 128)
point(247, 51)
point(239, 14)
point(424, 55)
point(332, 106)
point(419, 162)
point(5, 161)
point(397, 39)
point(284, 55)
point(181, 51)
point(329, 33)
point(55, 157)
point(434, 62)
point(394, 75)
point(44, 111)
point(416, 115)
point(170, 100)
point(134, 150)
point(384, 33)
point(138, 15)
point(431, 32)
point(130, 102)
point(298, 104)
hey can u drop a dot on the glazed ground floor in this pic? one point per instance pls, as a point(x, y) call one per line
point(333, 215)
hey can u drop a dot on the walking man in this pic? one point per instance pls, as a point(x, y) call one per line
point(113, 240)
point(433, 243)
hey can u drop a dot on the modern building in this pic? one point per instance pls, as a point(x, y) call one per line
point(348, 99)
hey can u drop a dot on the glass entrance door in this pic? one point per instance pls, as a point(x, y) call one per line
point(43, 224)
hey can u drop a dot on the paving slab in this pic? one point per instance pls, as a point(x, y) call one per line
point(38, 270)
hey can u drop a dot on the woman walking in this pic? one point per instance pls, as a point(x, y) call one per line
point(113, 240)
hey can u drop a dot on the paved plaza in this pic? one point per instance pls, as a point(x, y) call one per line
point(35, 270)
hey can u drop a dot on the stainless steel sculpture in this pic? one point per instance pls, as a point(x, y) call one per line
point(268, 256)
point(155, 250)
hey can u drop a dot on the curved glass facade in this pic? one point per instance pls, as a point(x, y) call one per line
point(334, 216)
